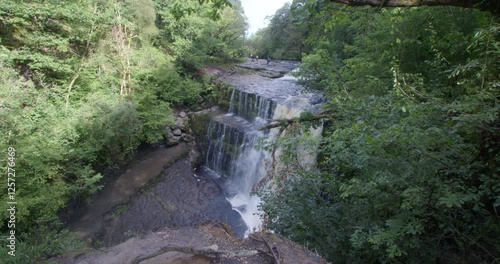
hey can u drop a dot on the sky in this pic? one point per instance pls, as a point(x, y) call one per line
point(257, 10)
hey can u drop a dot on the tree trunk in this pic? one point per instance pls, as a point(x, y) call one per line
point(489, 5)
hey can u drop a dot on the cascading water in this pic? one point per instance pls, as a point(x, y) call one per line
point(232, 157)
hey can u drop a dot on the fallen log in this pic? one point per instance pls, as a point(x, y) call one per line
point(210, 252)
point(279, 124)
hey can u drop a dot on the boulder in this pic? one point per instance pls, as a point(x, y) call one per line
point(177, 132)
point(171, 141)
point(179, 122)
point(187, 138)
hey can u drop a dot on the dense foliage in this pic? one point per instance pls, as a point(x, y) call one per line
point(409, 167)
point(82, 83)
point(284, 37)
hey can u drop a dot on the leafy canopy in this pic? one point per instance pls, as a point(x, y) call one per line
point(408, 170)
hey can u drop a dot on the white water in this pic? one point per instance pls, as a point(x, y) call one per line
point(243, 165)
point(248, 207)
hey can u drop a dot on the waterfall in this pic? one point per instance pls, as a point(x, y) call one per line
point(231, 151)
point(232, 154)
point(252, 107)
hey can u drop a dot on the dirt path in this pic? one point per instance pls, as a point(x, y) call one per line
point(127, 184)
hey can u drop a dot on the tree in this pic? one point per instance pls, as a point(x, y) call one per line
point(82, 84)
point(195, 38)
point(284, 37)
point(407, 173)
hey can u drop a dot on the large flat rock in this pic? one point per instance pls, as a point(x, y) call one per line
point(125, 186)
point(175, 199)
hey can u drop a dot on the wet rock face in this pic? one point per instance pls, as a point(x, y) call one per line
point(176, 199)
point(198, 123)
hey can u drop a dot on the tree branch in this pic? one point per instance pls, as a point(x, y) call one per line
point(490, 5)
point(281, 122)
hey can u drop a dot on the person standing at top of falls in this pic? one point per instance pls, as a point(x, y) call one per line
point(257, 58)
point(268, 60)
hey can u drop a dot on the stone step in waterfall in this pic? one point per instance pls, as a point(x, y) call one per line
point(251, 106)
point(228, 136)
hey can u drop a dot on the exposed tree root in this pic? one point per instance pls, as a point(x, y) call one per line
point(274, 252)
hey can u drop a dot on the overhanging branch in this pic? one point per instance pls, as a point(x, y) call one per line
point(488, 5)
point(284, 122)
